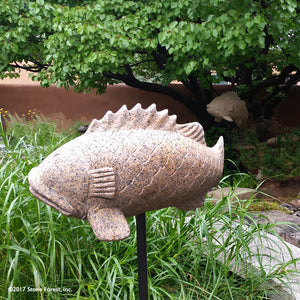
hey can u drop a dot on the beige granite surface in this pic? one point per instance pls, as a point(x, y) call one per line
point(128, 163)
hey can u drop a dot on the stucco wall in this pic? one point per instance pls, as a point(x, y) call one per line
point(66, 105)
point(70, 106)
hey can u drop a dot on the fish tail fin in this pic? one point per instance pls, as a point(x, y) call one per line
point(192, 205)
point(217, 171)
point(219, 146)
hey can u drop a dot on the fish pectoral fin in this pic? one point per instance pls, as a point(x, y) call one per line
point(228, 118)
point(102, 183)
point(218, 119)
point(109, 224)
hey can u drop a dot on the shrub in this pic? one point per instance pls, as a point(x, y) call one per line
point(280, 160)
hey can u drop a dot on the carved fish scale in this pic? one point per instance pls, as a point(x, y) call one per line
point(147, 173)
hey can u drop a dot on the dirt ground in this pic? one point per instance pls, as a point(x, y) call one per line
point(285, 192)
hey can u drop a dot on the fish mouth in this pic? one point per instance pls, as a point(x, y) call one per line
point(209, 109)
point(49, 202)
point(34, 182)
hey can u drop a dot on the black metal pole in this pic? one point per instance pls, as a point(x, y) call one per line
point(229, 127)
point(142, 256)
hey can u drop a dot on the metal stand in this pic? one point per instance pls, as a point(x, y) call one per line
point(142, 256)
point(229, 129)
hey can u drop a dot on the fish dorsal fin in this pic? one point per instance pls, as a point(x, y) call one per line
point(229, 96)
point(193, 131)
point(150, 118)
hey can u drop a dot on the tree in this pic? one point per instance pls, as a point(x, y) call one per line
point(146, 44)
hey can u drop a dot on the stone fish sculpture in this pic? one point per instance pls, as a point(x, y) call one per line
point(128, 163)
point(229, 107)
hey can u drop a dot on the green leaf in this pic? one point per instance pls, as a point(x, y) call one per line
point(261, 41)
point(241, 44)
point(162, 37)
point(189, 67)
point(59, 84)
point(215, 32)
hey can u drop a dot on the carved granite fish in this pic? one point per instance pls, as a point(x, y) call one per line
point(229, 107)
point(128, 163)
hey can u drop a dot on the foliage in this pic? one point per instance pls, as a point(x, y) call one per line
point(147, 44)
point(281, 160)
point(268, 205)
point(45, 255)
point(232, 162)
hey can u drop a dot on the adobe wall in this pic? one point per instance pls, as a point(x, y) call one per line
point(68, 106)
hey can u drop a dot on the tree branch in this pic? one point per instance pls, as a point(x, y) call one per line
point(199, 92)
point(37, 67)
point(132, 81)
point(273, 81)
point(279, 88)
point(160, 60)
point(141, 62)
